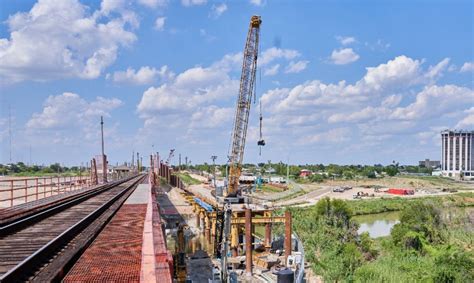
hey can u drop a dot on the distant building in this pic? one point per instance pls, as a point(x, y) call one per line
point(247, 179)
point(124, 169)
point(305, 173)
point(110, 169)
point(430, 163)
point(270, 171)
point(457, 154)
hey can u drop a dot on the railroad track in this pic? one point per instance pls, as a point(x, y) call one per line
point(43, 246)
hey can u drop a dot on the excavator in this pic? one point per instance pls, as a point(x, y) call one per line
point(244, 101)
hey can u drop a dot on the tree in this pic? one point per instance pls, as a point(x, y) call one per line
point(352, 258)
point(55, 167)
point(336, 212)
point(367, 246)
point(420, 223)
point(391, 170)
point(347, 174)
point(316, 178)
point(454, 265)
point(22, 167)
point(371, 175)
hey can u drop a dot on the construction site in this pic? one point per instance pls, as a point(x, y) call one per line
point(214, 231)
point(204, 233)
point(155, 218)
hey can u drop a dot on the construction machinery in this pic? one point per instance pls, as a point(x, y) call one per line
point(168, 160)
point(246, 92)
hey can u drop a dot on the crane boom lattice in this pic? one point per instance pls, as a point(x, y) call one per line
point(246, 92)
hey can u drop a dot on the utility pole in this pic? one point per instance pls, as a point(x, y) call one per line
point(288, 171)
point(133, 161)
point(186, 163)
point(104, 159)
point(158, 163)
point(138, 162)
point(269, 171)
point(214, 157)
point(179, 166)
point(10, 129)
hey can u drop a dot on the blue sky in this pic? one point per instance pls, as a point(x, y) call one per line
point(349, 82)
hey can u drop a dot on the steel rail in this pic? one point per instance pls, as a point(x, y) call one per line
point(55, 208)
point(30, 264)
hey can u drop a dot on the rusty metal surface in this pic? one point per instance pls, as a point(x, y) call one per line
point(38, 241)
point(268, 236)
point(116, 253)
point(287, 246)
point(248, 241)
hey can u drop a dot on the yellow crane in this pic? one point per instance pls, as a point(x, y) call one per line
point(246, 92)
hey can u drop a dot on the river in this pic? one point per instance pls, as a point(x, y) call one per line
point(381, 224)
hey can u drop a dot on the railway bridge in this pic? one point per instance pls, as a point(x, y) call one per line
point(100, 233)
point(74, 229)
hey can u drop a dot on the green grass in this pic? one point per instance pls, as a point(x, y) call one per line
point(448, 257)
point(370, 206)
point(188, 180)
point(271, 189)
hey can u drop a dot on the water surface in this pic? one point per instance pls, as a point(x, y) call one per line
point(379, 224)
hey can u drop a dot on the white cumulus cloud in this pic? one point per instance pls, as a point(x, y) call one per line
point(468, 121)
point(160, 23)
point(218, 10)
point(271, 54)
point(144, 75)
point(467, 67)
point(438, 69)
point(192, 88)
point(296, 67)
point(399, 97)
point(271, 71)
point(346, 40)
point(63, 39)
point(257, 2)
point(189, 3)
point(153, 3)
point(68, 119)
point(344, 56)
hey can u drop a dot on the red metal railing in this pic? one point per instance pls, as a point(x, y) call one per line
point(15, 191)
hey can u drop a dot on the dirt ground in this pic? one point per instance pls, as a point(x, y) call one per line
point(404, 182)
point(422, 186)
point(198, 177)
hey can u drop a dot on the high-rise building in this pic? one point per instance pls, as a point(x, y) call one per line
point(457, 158)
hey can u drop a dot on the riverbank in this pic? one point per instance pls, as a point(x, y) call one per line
point(430, 239)
point(372, 206)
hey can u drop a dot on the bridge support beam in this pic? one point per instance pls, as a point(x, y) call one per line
point(234, 240)
point(248, 242)
point(287, 235)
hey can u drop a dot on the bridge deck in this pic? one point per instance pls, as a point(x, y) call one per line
point(116, 253)
point(122, 251)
